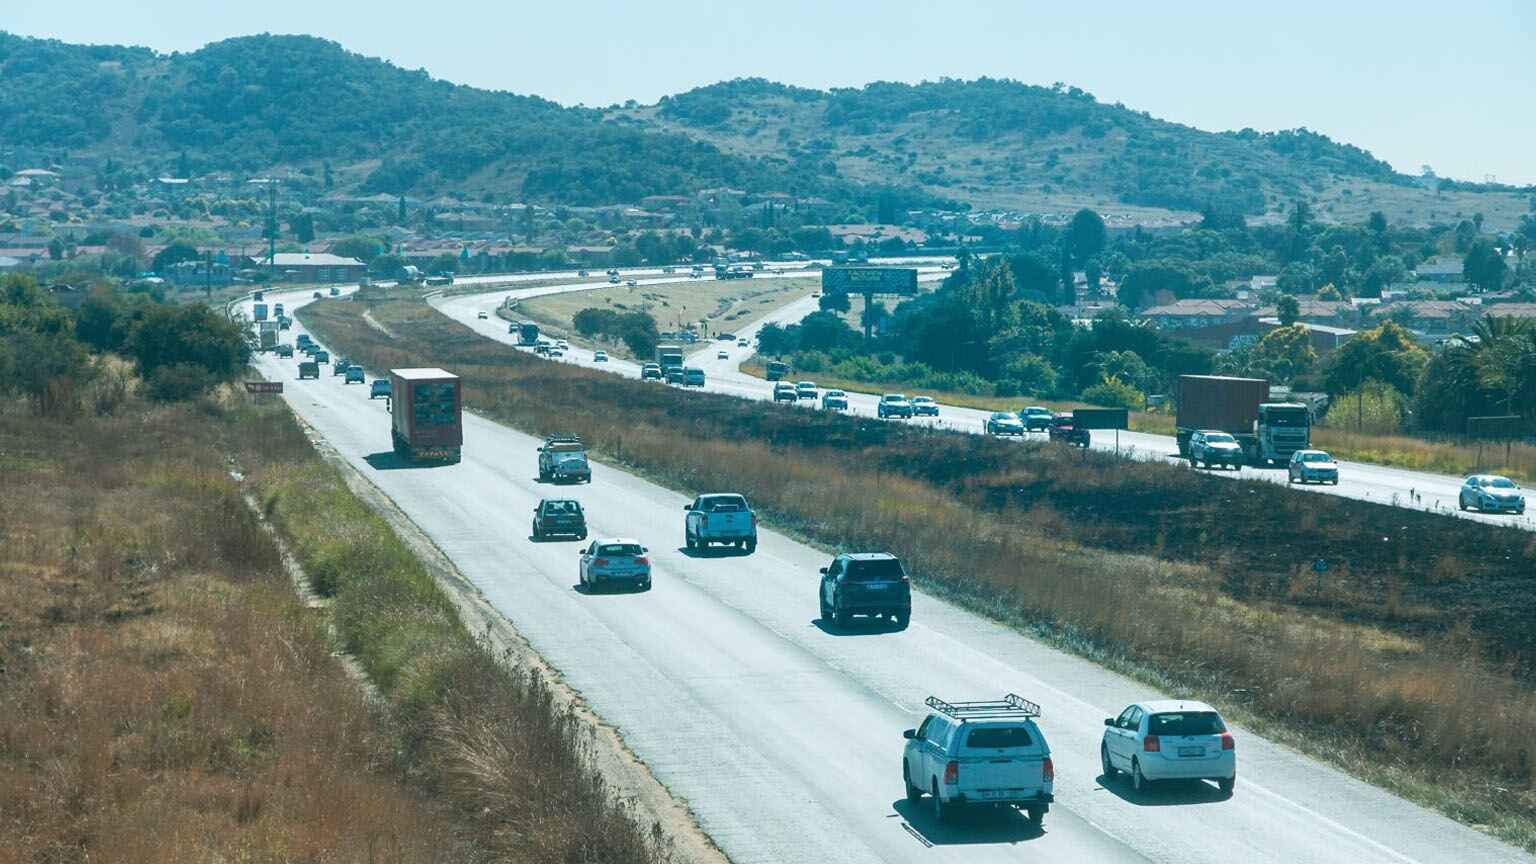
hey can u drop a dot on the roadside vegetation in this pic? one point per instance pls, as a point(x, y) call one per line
point(1406, 659)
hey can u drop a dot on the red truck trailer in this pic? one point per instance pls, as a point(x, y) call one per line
point(1267, 431)
point(426, 409)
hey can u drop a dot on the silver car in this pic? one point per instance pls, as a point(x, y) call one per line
point(1313, 466)
point(1491, 493)
point(1211, 448)
point(615, 561)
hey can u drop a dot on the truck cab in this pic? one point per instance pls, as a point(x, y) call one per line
point(989, 753)
point(563, 458)
point(1282, 429)
point(776, 370)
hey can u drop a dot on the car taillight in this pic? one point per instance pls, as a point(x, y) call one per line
point(1151, 745)
point(1227, 742)
point(951, 773)
point(601, 562)
point(1048, 771)
point(644, 561)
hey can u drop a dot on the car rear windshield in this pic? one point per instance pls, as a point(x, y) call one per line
point(561, 507)
point(875, 571)
point(1186, 723)
point(998, 736)
point(1315, 457)
point(618, 549)
point(723, 504)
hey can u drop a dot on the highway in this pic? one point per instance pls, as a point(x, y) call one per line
point(1380, 484)
point(785, 737)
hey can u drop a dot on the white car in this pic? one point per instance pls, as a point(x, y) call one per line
point(1169, 740)
point(1312, 466)
point(893, 405)
point(562, 345)
point(1211, 448)
point(1490, 493)
point(615, 561)
point(599, 356)
point(980, 753)
point(482, 316)
point(1004, 423)
point(722, 355)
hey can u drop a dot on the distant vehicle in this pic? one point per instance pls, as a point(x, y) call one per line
point(924, 406)
point(1002, 423)
point(259, 311)
point(722, 355)
point(426, 414)
point(720, 518)
point(893, 405)
point(724, 337)
point(1265, 431)
point(379, 387)
point(834, 400)
point(1064, 430)
point(615, 561)
point(669, 357)
point(612, 272)
point(512, 328)
point(341, 366)
point(1036, 419)
point(309, 369)
point(669, 269)
point(303, 340)
point(674, 374)
point(354, 375)
point(317, 295)
point(599, 356)
point(776, 369)
point(335, 292)
point(563, 459)
point(277, 310)
point(1210, 448)
point(562, 345)
point(630, 283)
point(284, 323)
point(581, 273)
point(693, 376)
point(785, 392)
point(559, 517)
point(365, 282)
point(284, 350)
point(980, 753)
point(482, 315)
point(266, 335)
point(438, 279)
point(258, 295)
point(1312, 466)
point(321, 355)
point(865, 583)
point(1169, 740)
point(541, 348)
point(650, 372)
point(527, 333)
point(1491, 493)
point(805, 389)
point(742, 343)
point(613, 280)
point(557, 351)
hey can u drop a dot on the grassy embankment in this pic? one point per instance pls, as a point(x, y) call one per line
point(165, 696)
point(1397, 451)
point(1407, 662)
point(725, 304)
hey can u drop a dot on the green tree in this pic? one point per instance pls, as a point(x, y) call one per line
point(1388, 354)
point(48, 368)
point(1114, 393)
point(1287, 352)
point(1289, 308)
point(1086, 236)
point(173, 254)
point(303, 226)
point(1377, 223)
point(195, 334)
point(1297, 278)
point(873, 316)
point(834, 301)
point(1335, 266)
point(364, 249)
point(55, 249)
point(1032, 374)
point(1484, 266)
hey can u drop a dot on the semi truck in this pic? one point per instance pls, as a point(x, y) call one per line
point(1267, 431)
point(527, 333)
point(259, 311)
point(668, 357)
point(777, 369)
point(426, 414)
point(266, 333)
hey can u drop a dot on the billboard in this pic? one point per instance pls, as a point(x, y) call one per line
point(869, 280)
point(1100, 418)
point(263, 386)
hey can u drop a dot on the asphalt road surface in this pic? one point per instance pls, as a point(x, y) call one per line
point(783, 735)
point(1380, 484)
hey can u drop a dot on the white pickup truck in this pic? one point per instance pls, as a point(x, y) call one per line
point(720, 518)
point(980, 754)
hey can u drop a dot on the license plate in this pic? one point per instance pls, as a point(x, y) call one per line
point(877, 587)
point(1191, 751)
point(994, 793)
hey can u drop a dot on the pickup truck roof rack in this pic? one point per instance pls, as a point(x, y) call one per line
point(563, 439)
point(1008, 707)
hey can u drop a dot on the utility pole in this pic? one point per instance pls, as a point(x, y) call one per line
point(208, 274)
point(272, 225)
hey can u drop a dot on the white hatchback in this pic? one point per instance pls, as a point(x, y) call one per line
point(1169, 740)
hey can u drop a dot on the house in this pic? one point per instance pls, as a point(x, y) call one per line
point(37, 177)
point(1517, 310)
point(1323, 337)
point(1338, 313)
point(1431, 317)
point(1194, 313)
point(318, 267)
point(1442, 268)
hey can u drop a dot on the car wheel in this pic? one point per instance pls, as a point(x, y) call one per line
point(751, 546)
point(1227, 785)
point(841, 618)
point(1335, 481)
point(826, 611)
point(1109, 768)
point(913, 793)
point(688, 541)
point(1139, 781)
point(1462, 503)
point(582, 536)
point(1290, 478)
point(941, 811)
point(1036, 816)
point(536, 535)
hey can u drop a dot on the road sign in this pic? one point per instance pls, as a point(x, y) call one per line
point(901, 281)
point(1100, 418)
point(1497, 428)
point(263, 386)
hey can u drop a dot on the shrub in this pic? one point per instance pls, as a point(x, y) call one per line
point(179, 382)
point(1114, 393)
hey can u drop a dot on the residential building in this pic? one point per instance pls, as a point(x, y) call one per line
point(1337, 313)
point(1195, 313)
point(1442, 268)
point(1430, 317)
point(317, 267)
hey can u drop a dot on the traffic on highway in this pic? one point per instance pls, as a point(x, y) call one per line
point(685, 619)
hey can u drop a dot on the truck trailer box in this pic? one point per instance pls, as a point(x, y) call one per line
point(1218, 402)
point(426, 414)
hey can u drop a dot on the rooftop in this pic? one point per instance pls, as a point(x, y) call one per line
point(424, 374)
point(313, 259)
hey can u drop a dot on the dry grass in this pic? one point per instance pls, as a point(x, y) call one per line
point(1441, 457)
point(1362, 666)
point(165, 697)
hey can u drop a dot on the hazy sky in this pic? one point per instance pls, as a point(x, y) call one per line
point(1452, 85)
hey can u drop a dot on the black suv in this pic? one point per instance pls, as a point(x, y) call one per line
point(562, 517)
point(865, 583)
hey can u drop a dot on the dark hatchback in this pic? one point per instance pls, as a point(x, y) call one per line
point(559, 517)
point(1062, 429)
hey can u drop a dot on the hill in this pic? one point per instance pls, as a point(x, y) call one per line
point(999, 143)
